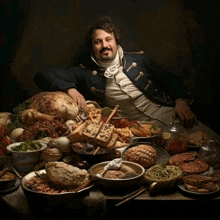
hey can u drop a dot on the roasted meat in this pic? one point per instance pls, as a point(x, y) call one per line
point(49, 106)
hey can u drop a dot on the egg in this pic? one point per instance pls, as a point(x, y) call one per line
point(16, 133)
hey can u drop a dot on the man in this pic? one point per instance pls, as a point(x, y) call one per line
point(111, 76)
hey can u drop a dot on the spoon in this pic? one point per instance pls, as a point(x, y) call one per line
point(83, 114)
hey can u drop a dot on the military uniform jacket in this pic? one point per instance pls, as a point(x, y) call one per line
point(88, 78)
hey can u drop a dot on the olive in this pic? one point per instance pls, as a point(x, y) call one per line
point(89, 147)
point(83, 164)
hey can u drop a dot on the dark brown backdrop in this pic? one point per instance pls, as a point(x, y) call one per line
point(182, 35)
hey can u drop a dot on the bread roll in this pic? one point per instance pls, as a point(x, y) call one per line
point(66, 175)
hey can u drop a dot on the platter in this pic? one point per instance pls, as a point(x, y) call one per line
point(192, 194)
point(48, 195)
point(86, 151)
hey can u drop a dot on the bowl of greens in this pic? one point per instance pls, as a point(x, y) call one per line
point(26, 155)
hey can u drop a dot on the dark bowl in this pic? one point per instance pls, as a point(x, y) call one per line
point(106, 182)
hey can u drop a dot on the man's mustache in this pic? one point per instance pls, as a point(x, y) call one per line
point(104, 49)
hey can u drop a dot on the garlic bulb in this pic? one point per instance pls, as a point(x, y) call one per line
point(61, 143)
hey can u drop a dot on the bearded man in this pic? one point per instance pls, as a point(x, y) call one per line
point(109, 75)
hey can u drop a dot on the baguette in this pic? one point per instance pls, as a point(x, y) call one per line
point(105, 134)
point(92, 130)
point(77, 134)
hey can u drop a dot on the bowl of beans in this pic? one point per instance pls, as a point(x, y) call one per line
point(26, 155)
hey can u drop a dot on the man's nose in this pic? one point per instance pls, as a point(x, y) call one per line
point(104, 44)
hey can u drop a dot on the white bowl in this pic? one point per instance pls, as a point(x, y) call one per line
point(24, 161)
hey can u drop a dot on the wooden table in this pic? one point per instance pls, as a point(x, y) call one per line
point(168, 205)
point(100, 204)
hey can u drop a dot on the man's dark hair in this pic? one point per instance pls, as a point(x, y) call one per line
point(105, 23)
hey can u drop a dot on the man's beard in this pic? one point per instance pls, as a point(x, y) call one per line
point(106, 57)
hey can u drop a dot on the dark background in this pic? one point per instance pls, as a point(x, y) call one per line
point(182, 35)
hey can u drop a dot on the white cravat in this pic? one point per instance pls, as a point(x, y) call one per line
point(111, 68)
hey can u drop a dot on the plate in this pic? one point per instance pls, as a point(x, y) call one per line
point(83, 151)
point(11, 186)
point(33, 174)
point(188, 193)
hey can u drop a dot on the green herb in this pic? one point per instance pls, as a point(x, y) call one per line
point(15, 117)
point(42, 176)
point(28, 145)
point(154, 127)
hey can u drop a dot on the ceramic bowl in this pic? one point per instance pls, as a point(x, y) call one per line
point(95, 169)
point(25, 161)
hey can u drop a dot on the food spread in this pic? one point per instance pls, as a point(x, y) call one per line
point(52, 119)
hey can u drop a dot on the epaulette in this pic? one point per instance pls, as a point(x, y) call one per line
point(138, 52)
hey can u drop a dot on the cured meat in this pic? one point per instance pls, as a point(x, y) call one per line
point(178, 159)
point(197, 180)
point(194, 167)
point(189, 163)
point(202, 184)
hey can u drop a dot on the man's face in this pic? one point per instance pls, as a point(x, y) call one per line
point(104, 45)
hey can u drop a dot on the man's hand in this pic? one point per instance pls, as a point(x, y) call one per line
point(183, 111)
point(77, 97)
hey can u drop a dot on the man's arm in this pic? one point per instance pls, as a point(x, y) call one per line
point(183, 111)
point(60, 80)
point(77, 97)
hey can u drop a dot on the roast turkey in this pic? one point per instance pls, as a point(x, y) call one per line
point(49, 106)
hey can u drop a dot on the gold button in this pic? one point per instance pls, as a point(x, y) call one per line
point(131, 66)
point(94, 72)
point(93, 89)
point(139, 76)
point(148, 85)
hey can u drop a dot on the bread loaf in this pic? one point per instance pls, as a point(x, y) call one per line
point(142, 154)
point(92, 130)
point(77, 134)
